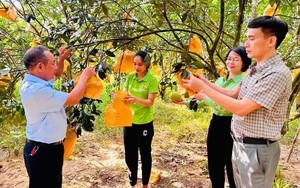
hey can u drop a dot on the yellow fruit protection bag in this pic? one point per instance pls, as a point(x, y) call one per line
point(93, 88)
point(69, 142)
point(118, 113)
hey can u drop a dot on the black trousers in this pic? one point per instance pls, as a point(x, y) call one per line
point(44, 168)
point(219, 151)
point(138, 138)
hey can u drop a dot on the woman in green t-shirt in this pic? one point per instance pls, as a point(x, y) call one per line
point(219, 141)
point(142, 87)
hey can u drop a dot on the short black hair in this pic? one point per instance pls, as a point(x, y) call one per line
point(271, 25)
point(145, 57)
point(241, 51)
point(35, 55)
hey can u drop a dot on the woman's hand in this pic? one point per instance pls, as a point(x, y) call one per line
point(194, 84)
point(199, 97)
point(180, 102)
point(130, 99)
point(200, 77)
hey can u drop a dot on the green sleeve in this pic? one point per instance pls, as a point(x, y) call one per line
point(187, 102)
point(208, 101)
point(153, 86)
point(200, 103)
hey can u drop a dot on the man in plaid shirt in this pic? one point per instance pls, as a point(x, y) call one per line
point(259, 104)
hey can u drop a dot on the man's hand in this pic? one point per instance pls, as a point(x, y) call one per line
point(77, 93)
point(64, 52)
point(88, 72)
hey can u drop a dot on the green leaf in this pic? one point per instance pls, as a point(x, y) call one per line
point(94, 107)
point(109, 53)
point(22, 112)
point(177, 66)
point(192, 66)
point(196, 65)
point(115, 43)
point(71, 43)
point(184, 16)
point(94, 52)
point(104, 9)
point(82, 2)
point(272, 2)
point(90, 2)
point(186, 57)
point(184, 53)
point(94, 33)
point(185, 74)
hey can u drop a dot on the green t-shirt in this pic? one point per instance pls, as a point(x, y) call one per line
point(141, 89)
point(222, 82)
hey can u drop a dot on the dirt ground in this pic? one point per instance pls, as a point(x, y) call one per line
point(96, 166)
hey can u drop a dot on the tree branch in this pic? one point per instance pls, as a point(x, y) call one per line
point(170, 25)
point(242, 5)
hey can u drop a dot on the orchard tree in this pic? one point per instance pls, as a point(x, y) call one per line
point(98, 31)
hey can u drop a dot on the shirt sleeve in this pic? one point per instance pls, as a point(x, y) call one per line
point(209, 102)
point(153, 86)
point(268, 89)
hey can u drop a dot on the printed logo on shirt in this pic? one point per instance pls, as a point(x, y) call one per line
point(145, 133)
point(144, 88)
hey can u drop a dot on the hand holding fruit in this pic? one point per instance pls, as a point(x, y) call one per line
point(176, 98)
point(199, 76)
point(88, 72)
point(183, 101)
point(130, 99)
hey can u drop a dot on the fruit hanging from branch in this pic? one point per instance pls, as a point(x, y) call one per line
point(9, 13)
point(93, 88)
point(124, 62)
point(195, 44)
point(271, 10)
point(184, 74)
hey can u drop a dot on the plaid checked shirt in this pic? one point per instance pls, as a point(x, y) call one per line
point(270, 86)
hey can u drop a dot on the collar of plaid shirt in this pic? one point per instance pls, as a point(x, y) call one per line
point(253, 68)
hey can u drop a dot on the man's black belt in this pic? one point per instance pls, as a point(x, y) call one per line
point(44, 144)
point(248, 140)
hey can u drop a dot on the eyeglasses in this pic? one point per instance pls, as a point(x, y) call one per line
point(234, 60)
